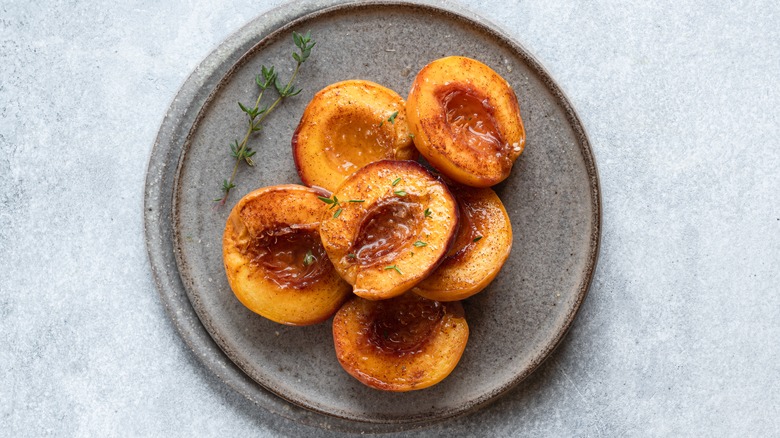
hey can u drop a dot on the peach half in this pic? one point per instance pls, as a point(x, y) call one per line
point(466, 121)
point(274, 259)
point(401, 344)
point(389, 225)
point(481, 247)
point(346, 126)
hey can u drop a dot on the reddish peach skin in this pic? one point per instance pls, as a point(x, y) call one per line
point(393, 226)
point(346, 126)
point(274, 260)
point(401, 344)
point(466, 121)
point(482, 246)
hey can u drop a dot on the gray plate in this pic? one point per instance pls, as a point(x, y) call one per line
point(552, 197)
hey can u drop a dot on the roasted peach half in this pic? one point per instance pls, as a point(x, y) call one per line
point(400, 344)
point(346, 126)
point(274, 259)
point(466, 121)
point(389, 225)
point(481, 247)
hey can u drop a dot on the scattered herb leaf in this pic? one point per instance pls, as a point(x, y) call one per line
point(357, 200)
point(392, 117)
point(400, 193)
point(427, 212)
point(308, 259)
point(477, 239)
point(387, 268)
point(396, 181)
point(420, 244)
point(337, 213)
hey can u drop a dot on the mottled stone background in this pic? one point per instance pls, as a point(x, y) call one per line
point(680, 334)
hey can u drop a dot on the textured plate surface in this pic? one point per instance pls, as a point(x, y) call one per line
point(551, 196)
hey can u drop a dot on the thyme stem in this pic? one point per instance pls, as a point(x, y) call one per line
point(241, 151)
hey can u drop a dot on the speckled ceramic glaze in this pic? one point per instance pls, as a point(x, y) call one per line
point(552, 198)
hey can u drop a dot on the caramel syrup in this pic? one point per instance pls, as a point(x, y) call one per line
point(402, 326)
point(281, 252)
point(386, 228)
point(353, 142)
point(469, 218)
point(471, 121)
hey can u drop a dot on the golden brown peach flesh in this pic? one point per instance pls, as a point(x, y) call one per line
point(346, 126)
point(481, 247)
point(274, 259)
point(401, 344)
point(393, 225)
point(466, 121)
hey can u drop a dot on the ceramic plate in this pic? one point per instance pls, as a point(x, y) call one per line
point(552, 198)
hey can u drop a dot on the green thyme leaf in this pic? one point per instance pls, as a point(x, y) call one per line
point(337, 213)
point(304, 45)
point(394, 267)
point(396, 181)
point(308, 259)
point(427, 212)
point(392, 117)
point(400, 193)
point(420, 244)
point(477, 239)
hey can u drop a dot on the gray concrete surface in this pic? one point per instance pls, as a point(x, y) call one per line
point(679, 335)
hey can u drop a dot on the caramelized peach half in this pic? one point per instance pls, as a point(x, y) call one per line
point(401, 344)
point(346, 126)
point(389, 225)
point(481, 247)
point(466, 121)
point(274, 259)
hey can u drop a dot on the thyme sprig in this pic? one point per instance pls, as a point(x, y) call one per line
point(334, 202)
point(330, 201)
point(241, 151)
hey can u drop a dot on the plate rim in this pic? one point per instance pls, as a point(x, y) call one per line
point(255, 42)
